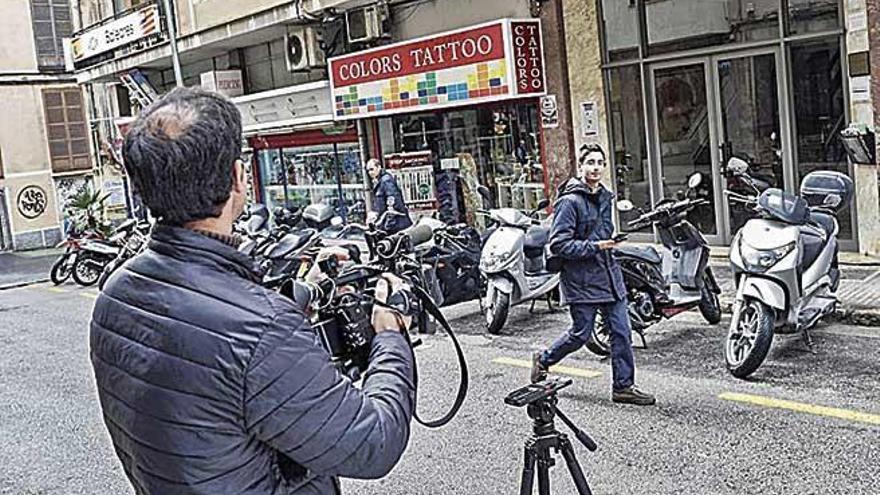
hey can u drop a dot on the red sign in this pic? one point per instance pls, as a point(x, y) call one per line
point(528, 56)
point(456, 49)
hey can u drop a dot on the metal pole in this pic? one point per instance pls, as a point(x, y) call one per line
point(171, 23)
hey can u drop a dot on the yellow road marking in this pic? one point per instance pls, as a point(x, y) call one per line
point(90, 295)
point(56, 289)
point(562, 370)
point(801, 407)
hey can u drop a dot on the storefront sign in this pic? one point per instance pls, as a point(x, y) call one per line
point(301, 105)
point(549, 112)
point(528, 56)
point(115, 187)
point(225, 82)
point(496, 61)
point(32, 201)
point(589, 119)
point(115, 34)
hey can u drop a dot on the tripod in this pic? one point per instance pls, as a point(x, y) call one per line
point(545, 436)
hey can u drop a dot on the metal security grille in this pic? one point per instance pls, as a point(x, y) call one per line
point(66, 130)
point(52, 23)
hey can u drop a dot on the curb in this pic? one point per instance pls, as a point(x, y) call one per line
point(18, 285)
point(848, 316)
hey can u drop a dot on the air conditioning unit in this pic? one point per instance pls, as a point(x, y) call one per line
point(303, 49)
point(367, 23)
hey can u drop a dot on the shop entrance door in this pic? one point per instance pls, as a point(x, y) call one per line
point(707, 110)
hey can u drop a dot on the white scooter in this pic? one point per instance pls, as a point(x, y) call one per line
point(785, 266)
point(513, 260)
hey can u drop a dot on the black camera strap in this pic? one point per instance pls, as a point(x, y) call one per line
point(432, 309)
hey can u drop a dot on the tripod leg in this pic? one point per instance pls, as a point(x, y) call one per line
point(544, 475)
point(574, 468)
point(528, 474)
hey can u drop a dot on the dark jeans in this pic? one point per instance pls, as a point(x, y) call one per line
point(583, 318)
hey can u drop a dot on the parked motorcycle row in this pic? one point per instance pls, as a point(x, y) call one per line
point(90, 258)
point(784, 259)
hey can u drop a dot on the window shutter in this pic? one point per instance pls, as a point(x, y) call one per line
point(52, 23)
point(66, 130)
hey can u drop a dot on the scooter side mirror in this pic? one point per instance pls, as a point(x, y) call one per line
point(336, 221)
point(695, 180)
point(625, 205)
point(544, 203)
point(484, 193)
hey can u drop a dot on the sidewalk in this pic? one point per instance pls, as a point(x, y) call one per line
point(859, 292)
point(26, 267)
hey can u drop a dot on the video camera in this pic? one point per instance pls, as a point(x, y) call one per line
point(343, 304)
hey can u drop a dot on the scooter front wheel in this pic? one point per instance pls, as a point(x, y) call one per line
point(61, 270)
point(749, 341)
point(87, 270)
point(496, 311)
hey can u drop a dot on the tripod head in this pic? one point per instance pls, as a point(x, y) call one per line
point(541, 402)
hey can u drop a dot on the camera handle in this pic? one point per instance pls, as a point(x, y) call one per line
point(432, 309)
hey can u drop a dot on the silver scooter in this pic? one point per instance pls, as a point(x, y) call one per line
point(513, 260)
point(785, 266)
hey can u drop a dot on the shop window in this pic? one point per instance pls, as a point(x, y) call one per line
point(819, 112)
point(52, 22)
point(629, 154)
point(675, 25)
point(621, 22)
point(497, 146)
point(812, 16)
point(304, 175)
point(66, 130)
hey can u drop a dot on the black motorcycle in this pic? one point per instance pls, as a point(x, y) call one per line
point(662, 286)
point(454, 259)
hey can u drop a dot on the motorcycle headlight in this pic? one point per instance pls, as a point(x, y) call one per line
point(495, 261)
point(760, 260)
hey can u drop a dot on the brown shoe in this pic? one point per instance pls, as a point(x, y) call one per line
point(633, 395)
point(539, 371)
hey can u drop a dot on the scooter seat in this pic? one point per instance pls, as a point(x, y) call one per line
point(536, 238)
point(646, 253)
point(823, 220)
point(290, 243)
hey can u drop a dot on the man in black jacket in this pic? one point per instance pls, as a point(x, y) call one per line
point(387, 199)
point(591, 279)
point(209, 383)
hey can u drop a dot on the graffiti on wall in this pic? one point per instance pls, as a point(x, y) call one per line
point(32, 201)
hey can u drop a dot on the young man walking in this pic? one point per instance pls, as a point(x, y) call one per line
point(591, 279)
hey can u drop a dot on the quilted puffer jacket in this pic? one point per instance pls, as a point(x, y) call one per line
point(210, 384)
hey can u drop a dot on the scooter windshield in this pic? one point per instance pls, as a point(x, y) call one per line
point(784, 206)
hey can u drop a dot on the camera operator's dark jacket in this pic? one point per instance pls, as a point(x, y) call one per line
point(580, 219)
point(211, 384)
point(387, 195)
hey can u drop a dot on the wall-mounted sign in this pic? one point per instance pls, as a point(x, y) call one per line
point(303, 104)
point(32, 201)
point(589, 119)
point(549, 112)
point(115, 34)
point(226, 82)
point(495, 61)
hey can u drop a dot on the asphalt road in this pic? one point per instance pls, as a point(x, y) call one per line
point(700, 438)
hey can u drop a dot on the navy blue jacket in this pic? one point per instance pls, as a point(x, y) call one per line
point(387, 195)
point(581, 218)
point(211, 384)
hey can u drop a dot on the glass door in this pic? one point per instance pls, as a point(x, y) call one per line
point(684, 138)
point(749, 128)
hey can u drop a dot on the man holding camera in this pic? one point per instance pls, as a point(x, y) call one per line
point(591, 279)
point(208, 382)
point(388, 204)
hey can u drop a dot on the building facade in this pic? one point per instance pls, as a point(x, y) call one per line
point(45, 153)
point(271, 57)
point(671, 88)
